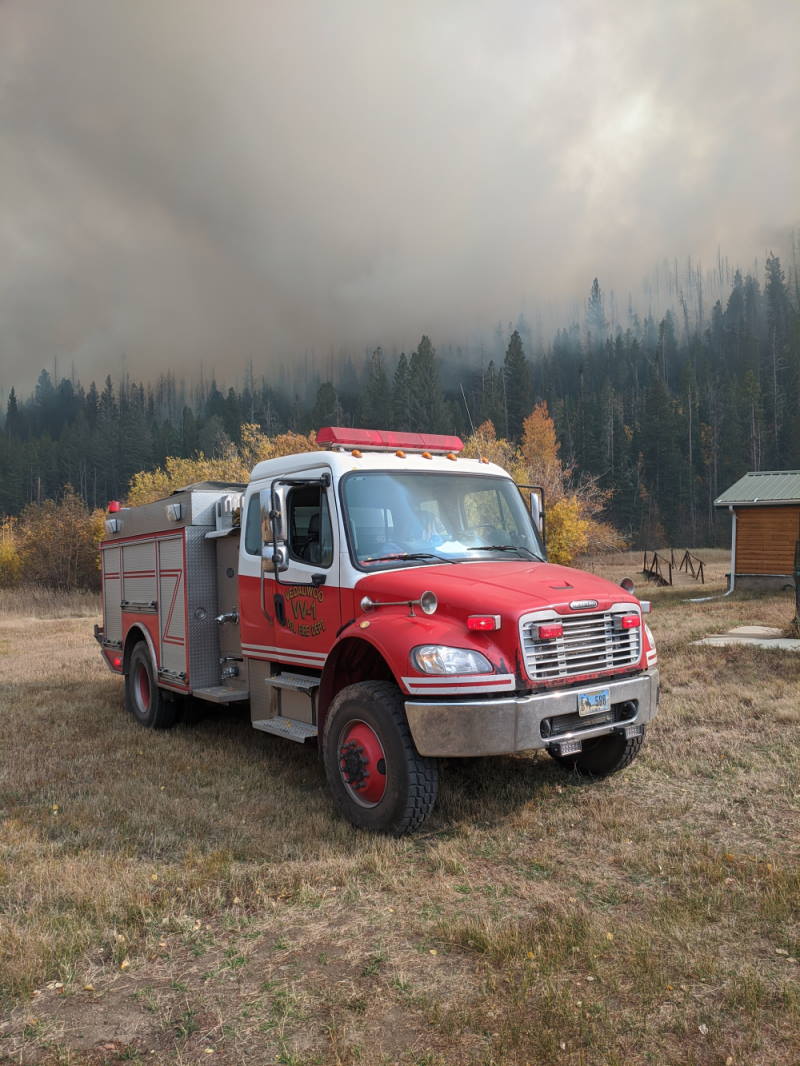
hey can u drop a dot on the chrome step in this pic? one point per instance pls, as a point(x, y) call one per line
point(301, 682)
point(220, 694)
point(286, 727)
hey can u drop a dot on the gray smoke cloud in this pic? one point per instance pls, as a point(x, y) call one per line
point(187, 181)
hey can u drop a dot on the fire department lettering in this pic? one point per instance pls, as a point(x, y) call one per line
point(306, 592)
point(304, 621)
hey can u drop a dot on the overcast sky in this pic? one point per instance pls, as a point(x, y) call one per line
point(195, 180)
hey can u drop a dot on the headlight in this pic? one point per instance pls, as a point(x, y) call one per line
point(438, 659)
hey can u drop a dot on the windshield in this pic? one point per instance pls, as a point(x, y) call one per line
point(417, 518)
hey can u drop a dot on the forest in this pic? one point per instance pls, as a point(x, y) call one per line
point(659, 416)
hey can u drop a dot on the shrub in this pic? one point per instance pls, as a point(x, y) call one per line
point(57, 543)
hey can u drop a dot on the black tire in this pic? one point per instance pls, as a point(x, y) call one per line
point(149, 705)
point(366, 727)
point(602, 756)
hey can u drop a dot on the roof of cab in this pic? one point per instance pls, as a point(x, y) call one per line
point(342, 462)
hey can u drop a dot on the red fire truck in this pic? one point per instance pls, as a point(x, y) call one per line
point(388, 597)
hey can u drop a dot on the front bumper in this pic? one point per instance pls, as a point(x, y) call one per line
point(505, 725)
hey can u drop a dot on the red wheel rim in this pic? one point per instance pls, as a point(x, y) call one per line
point(143, 688)
point(362, 763)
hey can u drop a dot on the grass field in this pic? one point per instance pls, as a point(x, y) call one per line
point(192, 896)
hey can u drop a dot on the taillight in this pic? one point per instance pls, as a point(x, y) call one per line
point(549, 631)
point(480, 623)
point(114, 659)
point(629, 621)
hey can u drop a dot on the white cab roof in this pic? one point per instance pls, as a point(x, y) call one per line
point(341, 462)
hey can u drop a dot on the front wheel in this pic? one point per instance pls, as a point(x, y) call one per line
point(375, 773)
point(603, 755)
point(148, 704)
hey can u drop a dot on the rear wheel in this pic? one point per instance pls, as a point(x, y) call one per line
point(148, 704)
point(603, 755)
point(375, 773)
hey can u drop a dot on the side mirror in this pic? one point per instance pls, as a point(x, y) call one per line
point(274, 513)
point(274, 528)
point(537, 509)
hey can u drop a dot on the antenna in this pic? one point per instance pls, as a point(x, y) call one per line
point(466, 408)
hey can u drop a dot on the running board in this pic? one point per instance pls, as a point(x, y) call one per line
point(220, 694)
point(287, 727)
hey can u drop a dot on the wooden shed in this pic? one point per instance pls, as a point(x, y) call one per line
point(765, 511)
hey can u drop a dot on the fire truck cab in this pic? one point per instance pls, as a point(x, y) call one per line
point(387, 597)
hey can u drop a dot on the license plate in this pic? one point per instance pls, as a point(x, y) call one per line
point(594, 702)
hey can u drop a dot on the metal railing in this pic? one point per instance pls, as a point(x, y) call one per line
point(655, 567)
point(659, 568)
point(692, 564)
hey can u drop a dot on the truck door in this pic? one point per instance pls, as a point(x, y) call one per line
point(298, 609)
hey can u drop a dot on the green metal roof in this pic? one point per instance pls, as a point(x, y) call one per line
point(763, 486)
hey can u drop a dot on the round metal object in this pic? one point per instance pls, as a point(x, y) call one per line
point(362, 763)
point(428, 602)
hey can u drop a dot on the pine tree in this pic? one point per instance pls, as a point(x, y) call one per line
point(326, 410)
point(401, 395)
point(516, 386)
point(426, 400)
point(376, 400)
point(596, 322)
point(13, 417)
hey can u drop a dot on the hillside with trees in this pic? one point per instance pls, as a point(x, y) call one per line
point(652, 421)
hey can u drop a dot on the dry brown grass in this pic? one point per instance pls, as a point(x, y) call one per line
point(38, 601)
point(165, 896)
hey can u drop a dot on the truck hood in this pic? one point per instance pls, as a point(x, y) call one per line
point(496, 587)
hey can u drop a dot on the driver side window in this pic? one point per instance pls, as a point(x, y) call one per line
point(310, 532)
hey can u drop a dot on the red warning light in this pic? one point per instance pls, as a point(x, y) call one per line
point(388, 440)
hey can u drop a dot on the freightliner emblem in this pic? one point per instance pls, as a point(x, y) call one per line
point(580, 605)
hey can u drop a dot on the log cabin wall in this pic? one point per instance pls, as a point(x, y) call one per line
point(765, 539)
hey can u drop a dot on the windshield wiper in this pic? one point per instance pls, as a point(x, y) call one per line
point(408, 555)
point(504, 548)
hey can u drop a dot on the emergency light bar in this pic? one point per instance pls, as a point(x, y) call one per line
point(387, 440)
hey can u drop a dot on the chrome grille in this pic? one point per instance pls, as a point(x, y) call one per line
point(591, 643)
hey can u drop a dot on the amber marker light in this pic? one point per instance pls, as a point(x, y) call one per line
point(427, 455)
point(400, 454)
point(356, 454)
point(452, 456)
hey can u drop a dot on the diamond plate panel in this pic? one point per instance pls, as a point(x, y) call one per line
point(201, 582)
